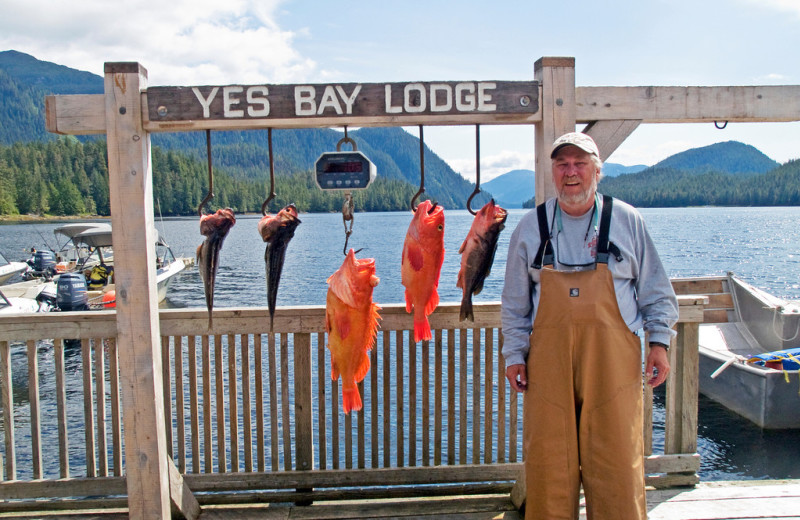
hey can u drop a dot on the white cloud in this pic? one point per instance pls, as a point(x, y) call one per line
point(790, 6)
point(181, 42)
point(492, 165)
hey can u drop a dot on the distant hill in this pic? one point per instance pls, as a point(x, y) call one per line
point(511, 189)
point(613, 170)
point(50, 77)
point(730, 157)
point(728, 173)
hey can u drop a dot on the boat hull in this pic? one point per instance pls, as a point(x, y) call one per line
point(760, 323)
point(761, 395)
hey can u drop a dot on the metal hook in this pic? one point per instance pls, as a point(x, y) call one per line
point(348, 213)
point(210, 194)
point(271, 196)
point(421, 170)
point(716, 124)
point(346, 139)
point(477, 169)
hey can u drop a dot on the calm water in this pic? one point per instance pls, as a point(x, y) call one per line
point(758, 244)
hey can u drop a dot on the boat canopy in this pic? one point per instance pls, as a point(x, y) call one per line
point(72, 230)
point(101, 237)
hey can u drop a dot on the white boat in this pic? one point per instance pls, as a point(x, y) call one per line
point(75, 254)
point(17, 305)
point(9, 269)
point(743, 325)
point(167, 264)
point(95, 241)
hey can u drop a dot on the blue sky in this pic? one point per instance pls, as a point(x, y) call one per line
point(622, 43)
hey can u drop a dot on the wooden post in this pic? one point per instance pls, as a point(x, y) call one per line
point(680, 434)
point(557, 104)
point(303, 420)
point(138, 333)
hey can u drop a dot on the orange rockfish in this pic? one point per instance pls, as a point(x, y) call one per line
point(423, 254)
point(351, 321)
point(477, 253)
point(276, 231)
point(215, 228)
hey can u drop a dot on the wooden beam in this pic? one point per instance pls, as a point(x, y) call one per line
point(78, 114)
point(85, 114)
point(183, 502)
point(747, 104)
point(608, 135)
point(138, 332)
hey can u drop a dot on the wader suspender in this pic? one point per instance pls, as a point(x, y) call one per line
point(544, 256)
point(604, 247)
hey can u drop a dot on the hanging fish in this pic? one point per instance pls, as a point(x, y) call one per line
point(215, 228)
point(351, 321)
point(477, 253)
point(276, 231)
point(423, 254)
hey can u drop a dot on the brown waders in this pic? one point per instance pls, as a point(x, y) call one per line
point(583, 406)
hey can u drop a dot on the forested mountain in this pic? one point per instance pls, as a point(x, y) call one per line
point(242, 156)
point(666, 187)
point(731, 157)
point(66, 177)
point(722, 174)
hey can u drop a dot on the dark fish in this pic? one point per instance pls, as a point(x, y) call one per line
point(277, 231)
point(477, 253)
point(215, 228)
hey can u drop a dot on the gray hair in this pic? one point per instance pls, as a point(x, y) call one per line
point(597, 162)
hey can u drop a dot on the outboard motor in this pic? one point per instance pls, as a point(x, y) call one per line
point(44, 261)
point(44, 265)
point(71, 293)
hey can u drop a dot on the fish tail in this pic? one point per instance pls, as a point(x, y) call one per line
point(422, 329)
point(351, 399)
point(466, 309)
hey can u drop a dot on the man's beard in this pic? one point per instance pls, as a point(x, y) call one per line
point(577, 199)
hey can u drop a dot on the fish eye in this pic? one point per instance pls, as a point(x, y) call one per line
point(440, 227)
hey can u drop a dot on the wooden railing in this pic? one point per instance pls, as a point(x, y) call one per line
point(252, 415)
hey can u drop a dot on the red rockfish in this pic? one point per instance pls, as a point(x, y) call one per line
point(423, 254)
point(276, 231)
point(351, 321)
point(215, 228)
point(477, 253)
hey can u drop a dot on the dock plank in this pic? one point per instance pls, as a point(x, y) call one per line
point(744, 500)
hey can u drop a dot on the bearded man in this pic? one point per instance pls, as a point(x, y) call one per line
point(582, 278)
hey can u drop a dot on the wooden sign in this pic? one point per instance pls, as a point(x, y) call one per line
point(339, 102)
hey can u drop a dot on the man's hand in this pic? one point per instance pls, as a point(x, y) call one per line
point(517, 377)
point(658, 359)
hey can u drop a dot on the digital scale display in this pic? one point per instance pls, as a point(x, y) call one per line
point(344, 171)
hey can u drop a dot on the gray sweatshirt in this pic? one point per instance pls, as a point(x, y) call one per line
point(643, 289)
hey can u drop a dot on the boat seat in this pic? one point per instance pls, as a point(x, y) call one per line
point(729, 337)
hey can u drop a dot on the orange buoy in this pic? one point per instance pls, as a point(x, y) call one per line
point(110, 299)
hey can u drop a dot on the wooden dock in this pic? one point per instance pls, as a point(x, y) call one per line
point(751, 499)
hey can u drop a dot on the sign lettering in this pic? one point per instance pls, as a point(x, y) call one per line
point(343, 100)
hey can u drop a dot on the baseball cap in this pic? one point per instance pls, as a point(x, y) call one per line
point(581, 140)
